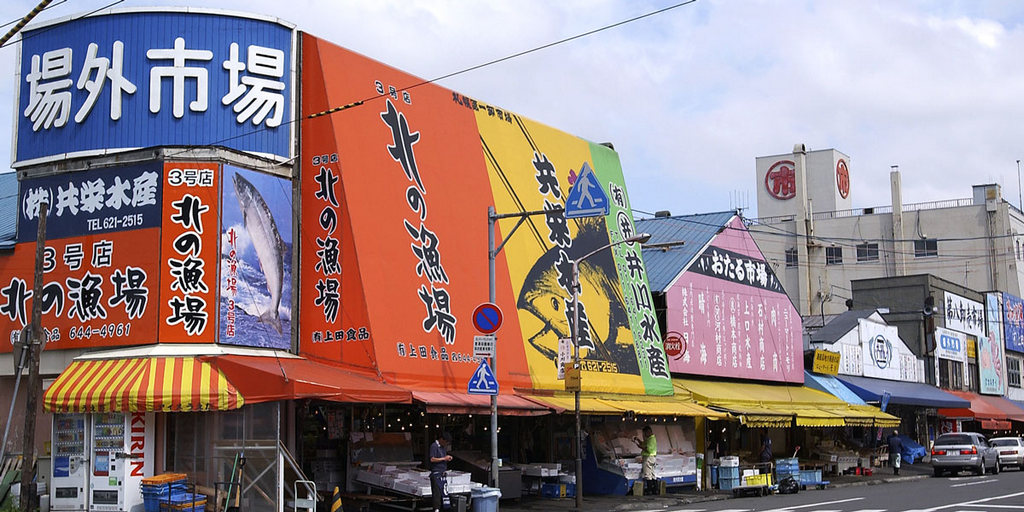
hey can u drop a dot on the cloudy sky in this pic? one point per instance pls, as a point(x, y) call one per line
point(691, 96)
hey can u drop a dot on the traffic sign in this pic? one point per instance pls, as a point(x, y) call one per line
point(483, 382)
point(587, 197)
point(483, 346)
point(487, 318)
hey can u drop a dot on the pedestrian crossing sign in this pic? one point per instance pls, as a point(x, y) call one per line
point(587, 197)
point(483, 381)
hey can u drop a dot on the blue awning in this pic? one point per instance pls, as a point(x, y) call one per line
point(832, 386)
point(902, 393)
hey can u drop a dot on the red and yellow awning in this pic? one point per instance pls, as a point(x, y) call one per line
point(164, 384)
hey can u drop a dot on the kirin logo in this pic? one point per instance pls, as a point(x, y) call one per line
point(780, 181)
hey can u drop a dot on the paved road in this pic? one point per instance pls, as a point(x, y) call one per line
point(1001, 493)
point(909, 493)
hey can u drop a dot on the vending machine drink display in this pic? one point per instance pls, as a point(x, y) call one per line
point(108, 462)
point(99, 461)
point(70, 463)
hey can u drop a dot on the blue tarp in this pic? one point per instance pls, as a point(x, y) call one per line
point(832, 386)
point(911, 450)
point(902, 393)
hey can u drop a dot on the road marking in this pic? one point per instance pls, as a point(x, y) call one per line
point(809, 505)
point(976, 482)
point(871, 510)
point(968, 503)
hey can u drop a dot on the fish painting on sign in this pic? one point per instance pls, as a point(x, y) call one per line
point(604, 322)
point(255, 260)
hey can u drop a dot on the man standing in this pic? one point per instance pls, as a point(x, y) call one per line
point(895, 447)
point(648, 451)
point(438, 466)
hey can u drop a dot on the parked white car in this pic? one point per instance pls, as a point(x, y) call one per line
point(1011, 451)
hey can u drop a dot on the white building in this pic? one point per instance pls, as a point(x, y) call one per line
point(818, 243)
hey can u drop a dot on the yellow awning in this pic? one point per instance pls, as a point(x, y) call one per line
point(881, 419)
point(811, 416)
point(588, 405)
point(663, 408)
point(760, 416)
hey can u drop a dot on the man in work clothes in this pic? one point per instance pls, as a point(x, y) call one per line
point(438, 465)
point(895, 447)
point(648, 450)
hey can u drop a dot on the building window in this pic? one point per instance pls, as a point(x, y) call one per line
point(926, 248)
point(951, 374)
point(973, 378)
point(867, 252)
point(833, 255)
point(1013, 372)
point(791, 260)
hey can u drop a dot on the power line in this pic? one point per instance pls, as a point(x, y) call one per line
point(361, 102)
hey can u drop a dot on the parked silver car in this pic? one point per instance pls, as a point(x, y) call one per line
point(964, 451)
point(1011, 451)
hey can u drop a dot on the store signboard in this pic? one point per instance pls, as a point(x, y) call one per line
point(255, 259)
point(826, 362)
point(885, 355)
point(951, 345)
point(99, 288)
point(1013, 322)
point(964, 315)
point(189, 251)
point(134, 79)
point(400, 237)
point(990, 367)
point(734, 315)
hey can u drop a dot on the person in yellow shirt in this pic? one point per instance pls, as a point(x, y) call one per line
point(648, 451)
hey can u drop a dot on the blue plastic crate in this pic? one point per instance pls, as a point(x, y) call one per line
point(810, 475)
point(728, 472)
point(726, 484)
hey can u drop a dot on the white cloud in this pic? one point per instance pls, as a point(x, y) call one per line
point(691, 96)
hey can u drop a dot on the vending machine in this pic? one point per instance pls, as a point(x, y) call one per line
point(106, 481)
point(70, 477)
point(99, 461)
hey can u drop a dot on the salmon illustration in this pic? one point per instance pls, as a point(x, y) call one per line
point(266, 241)
point(543, 296)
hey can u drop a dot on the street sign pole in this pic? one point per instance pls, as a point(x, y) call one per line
point(492, 253)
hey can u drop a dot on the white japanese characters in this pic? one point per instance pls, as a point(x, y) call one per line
point(255, 87)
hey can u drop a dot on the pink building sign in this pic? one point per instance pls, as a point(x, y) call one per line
point(728, 315)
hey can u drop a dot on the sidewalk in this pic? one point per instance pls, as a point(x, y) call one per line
point(636, 503)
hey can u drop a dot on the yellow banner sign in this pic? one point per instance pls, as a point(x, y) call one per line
point(826, 362)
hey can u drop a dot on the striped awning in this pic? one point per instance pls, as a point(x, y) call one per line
point(165, 384)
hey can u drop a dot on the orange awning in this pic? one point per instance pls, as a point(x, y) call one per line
point(263, 379)
point(168, 384)
point(985, 407)
point(464, 403)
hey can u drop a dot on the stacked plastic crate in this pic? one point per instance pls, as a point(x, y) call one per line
point(728, 473)
point(169, 492)
point(787, 468)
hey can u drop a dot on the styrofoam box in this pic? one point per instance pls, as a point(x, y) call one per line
point(730, 462)
point(749, 472)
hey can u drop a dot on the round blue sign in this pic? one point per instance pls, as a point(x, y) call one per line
point(487, 318)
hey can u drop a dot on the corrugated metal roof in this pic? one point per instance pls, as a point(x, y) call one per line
point(840, 325)
point(663, 265)
point(8, 206)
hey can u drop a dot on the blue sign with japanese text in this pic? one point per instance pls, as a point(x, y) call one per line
point(1013, 322)
point(139, 79)
point(92, 202)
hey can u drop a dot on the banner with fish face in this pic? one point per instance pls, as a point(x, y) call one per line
point(256, 259)
point(189, 252)
point(395, 192)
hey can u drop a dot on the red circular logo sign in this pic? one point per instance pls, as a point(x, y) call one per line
point(675, 346)
point(780, 181)
point(843, 178)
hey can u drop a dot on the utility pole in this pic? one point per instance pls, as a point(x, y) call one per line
point(29, 500)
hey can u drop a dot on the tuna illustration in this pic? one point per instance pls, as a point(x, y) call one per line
point(543, 297)
point(266, 240)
